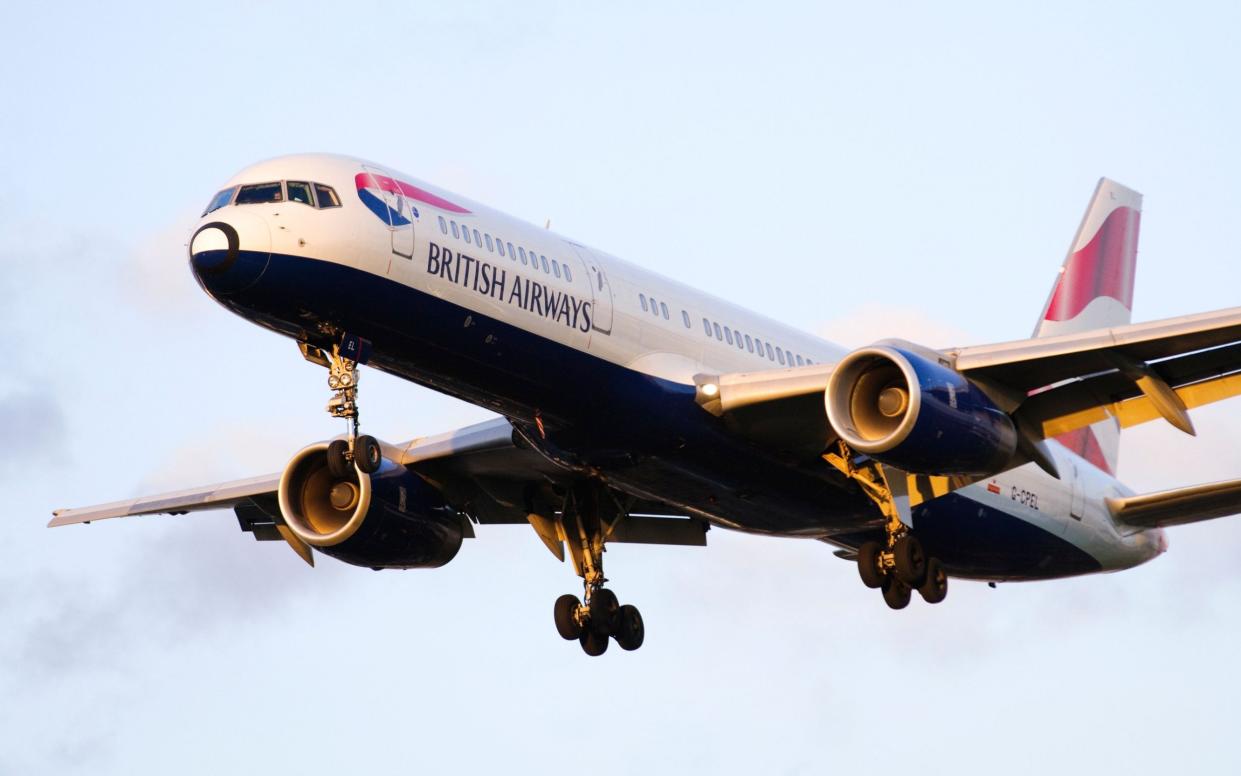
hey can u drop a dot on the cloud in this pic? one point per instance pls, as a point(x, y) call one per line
point(871, 322)
point(34, 428)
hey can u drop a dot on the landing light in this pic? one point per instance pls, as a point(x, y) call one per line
point(710, 389)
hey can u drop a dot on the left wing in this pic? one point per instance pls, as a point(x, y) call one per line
point(1179, 506)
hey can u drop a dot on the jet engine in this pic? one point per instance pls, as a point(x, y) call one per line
point(909, 411)
point(388, 519)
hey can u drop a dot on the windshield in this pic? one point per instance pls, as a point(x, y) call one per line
point(260, 192)
point(220, 200)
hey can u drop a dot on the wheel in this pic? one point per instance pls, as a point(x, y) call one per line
point(630, 632)
point(337, 459)
point(896, 594)
point(592, 643)
point(910, 560)
point(566, 621)
point(868, 565)
point(603, 609)
point(935, 588)
point(366, 454)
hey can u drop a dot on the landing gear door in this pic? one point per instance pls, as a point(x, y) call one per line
point(600, 289)
point(400, 212)
point(1077, 499)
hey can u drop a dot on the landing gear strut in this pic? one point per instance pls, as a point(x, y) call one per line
point(361, 451)
point(898, 564)
point(598, 615)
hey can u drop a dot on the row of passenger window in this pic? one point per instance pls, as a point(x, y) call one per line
point(726, 334)
point(753, 345)
point(496, 245)
point(315, 195)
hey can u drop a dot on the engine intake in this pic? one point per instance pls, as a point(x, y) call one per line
point(915, 414)
point(389, 519)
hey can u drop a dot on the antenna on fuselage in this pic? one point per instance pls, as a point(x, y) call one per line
point(548, 225)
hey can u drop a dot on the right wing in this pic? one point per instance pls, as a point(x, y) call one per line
point(482, 470)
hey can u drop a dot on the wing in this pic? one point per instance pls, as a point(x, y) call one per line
point(1179, 506)
point(482, 470)
point(1135, 373)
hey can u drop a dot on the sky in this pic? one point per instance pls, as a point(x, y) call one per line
point(858, 170)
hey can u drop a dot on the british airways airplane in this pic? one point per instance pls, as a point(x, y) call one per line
point(632, 408)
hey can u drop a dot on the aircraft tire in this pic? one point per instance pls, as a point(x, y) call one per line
point(910, 560)
point(366, 454)
point(568, 627)
point(603, 610)
point(896, 594)
point(337, 460)
point(592, 643)
point(630, 632)
point(868, 565)
point(935, 588)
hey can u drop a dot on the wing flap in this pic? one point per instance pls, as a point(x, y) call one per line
point(1179, 506)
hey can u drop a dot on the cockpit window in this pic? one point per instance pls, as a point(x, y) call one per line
point(327, 196)
point(259, 193)
point(299, 191)
point(220, 200)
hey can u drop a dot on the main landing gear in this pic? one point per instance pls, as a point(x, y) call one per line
point(598, 615)
point(898, 565)
point(361, 451)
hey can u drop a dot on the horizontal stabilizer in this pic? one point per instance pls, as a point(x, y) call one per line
point(1179, 506)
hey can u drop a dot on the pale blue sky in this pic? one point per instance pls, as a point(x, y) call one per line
point(857, 171)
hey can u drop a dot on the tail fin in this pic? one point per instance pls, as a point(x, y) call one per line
point(1094, 290)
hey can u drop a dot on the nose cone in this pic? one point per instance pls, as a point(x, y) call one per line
point(230, 254)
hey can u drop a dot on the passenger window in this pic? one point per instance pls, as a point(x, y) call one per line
point(299, 191)
point(654, 308)
point(500, 246)
point(800, 361)
point(770, 355)
point(220, 200)
point(491, 247)
point(478, 240)
point(779, 354)
point(523, 255)
point(259, 193)
point(728, 335)
point(546, 268)
point(454, 229)
point(465, 232)
point(706, 325)
point(718, 334)
point(326, 196)
point(555, 268)
point(685, 317)
point(512, 254)
point(663, 308)
point(749, 343)
point(443, 225)
point(567, 274)
point(642, 299)
point(740, 344)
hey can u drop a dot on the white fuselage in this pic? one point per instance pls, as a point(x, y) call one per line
point(596, 303)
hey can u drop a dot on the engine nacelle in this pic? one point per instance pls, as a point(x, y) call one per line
point(389, 519)
point(913, 413)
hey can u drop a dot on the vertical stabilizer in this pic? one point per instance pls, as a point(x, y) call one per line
point(1094, 290)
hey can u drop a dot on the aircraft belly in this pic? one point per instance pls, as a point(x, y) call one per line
point(644, 434)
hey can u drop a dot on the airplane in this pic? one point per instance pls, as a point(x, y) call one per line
point(632, 408)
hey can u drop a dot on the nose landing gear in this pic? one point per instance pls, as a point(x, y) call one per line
point(362, 451)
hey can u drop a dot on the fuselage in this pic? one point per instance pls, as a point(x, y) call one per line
point(593, 359)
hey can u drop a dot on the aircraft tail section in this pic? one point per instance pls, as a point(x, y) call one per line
point(1094, 290)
